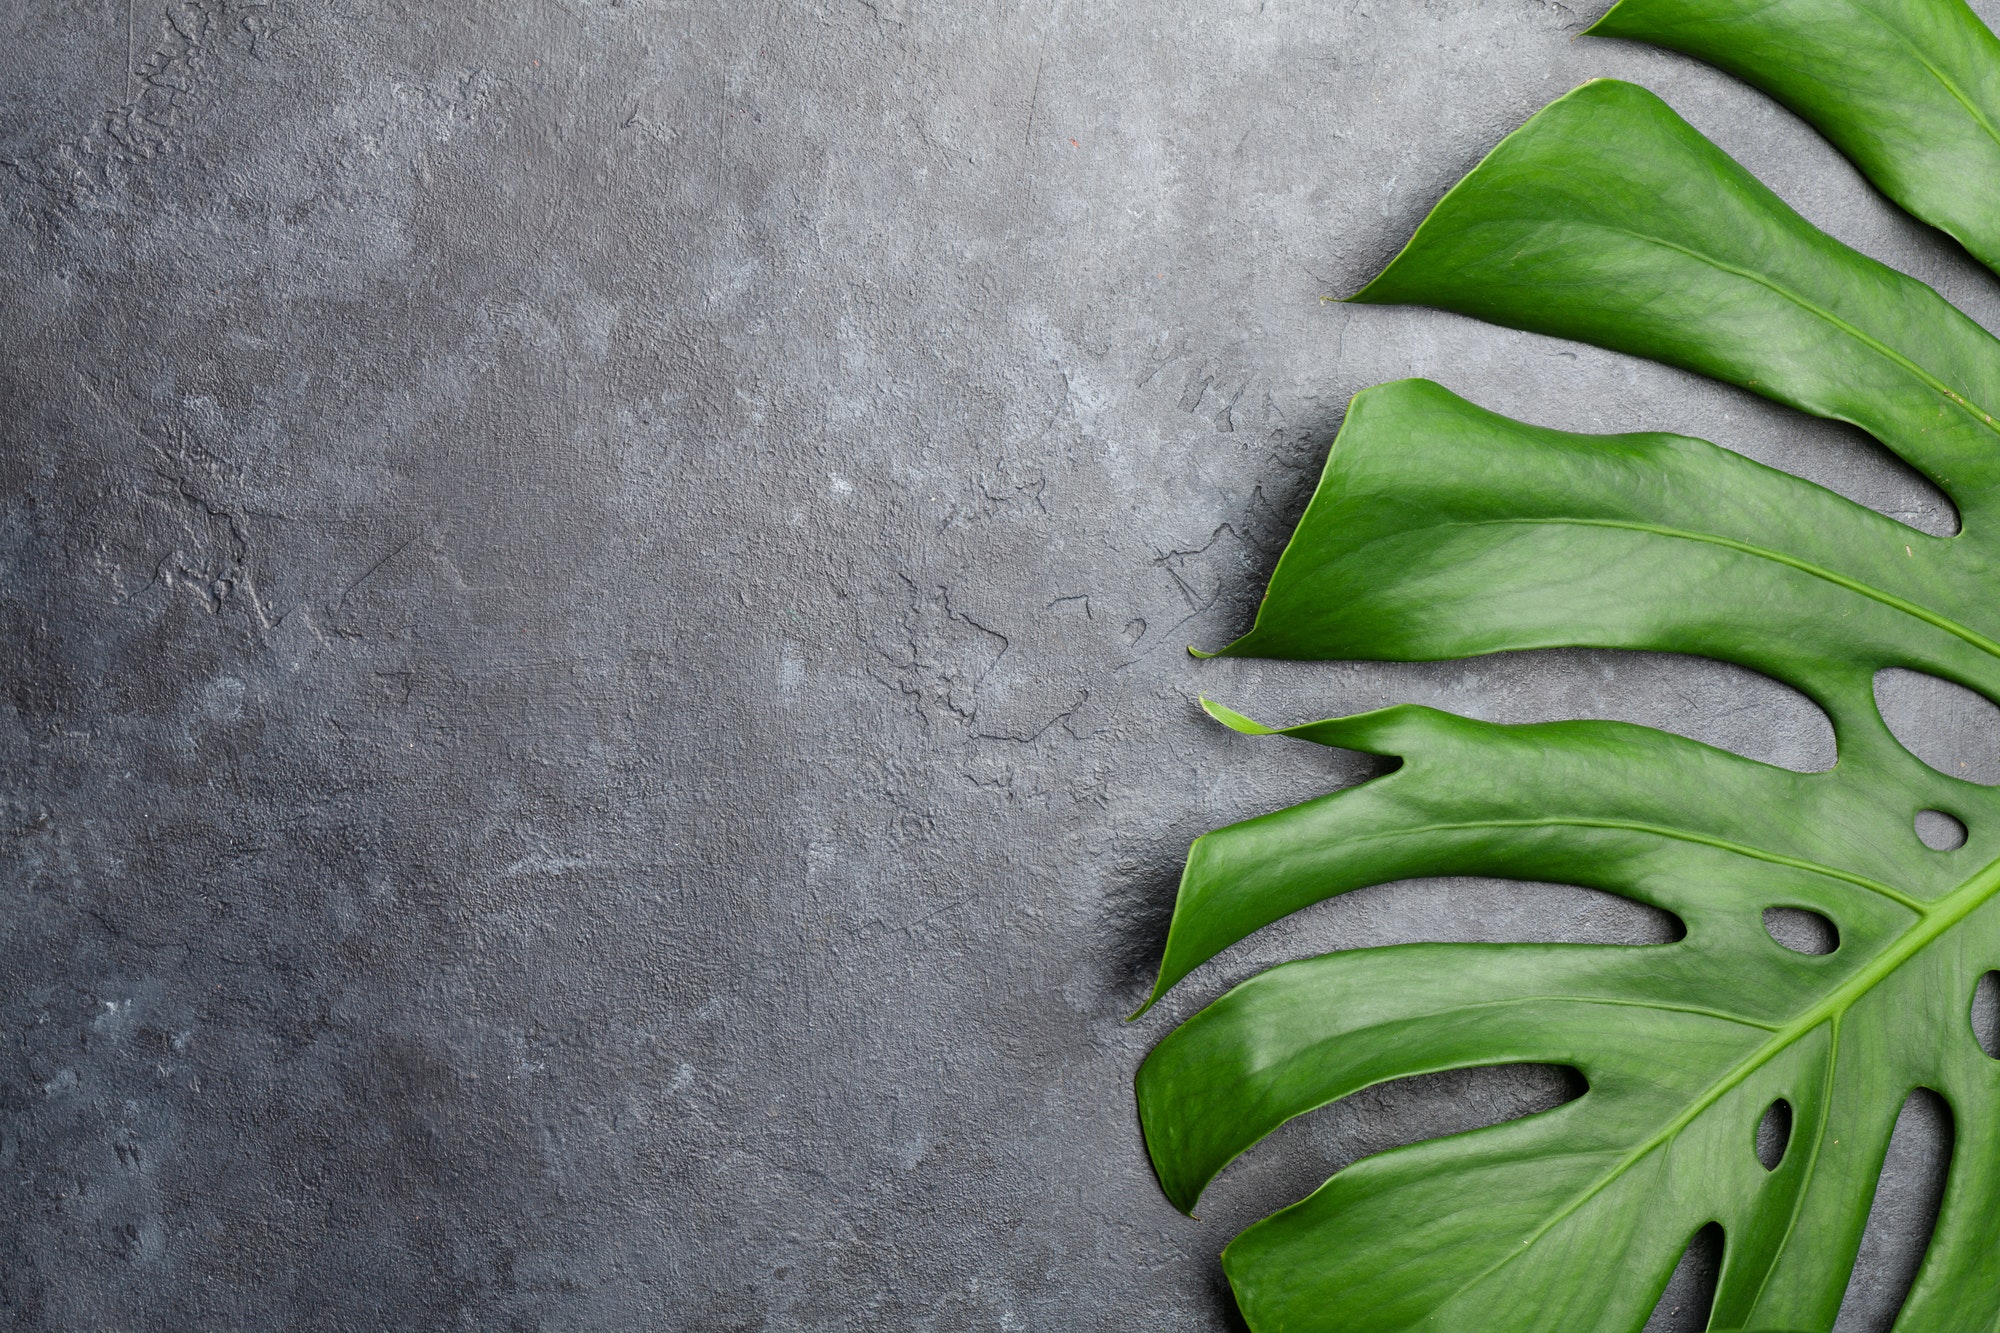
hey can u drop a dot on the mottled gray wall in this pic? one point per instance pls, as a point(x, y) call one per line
point(595, 596)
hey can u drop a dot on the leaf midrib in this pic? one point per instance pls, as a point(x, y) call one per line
point(1932, 922)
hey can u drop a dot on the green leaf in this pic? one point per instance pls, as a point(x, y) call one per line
point(1908, 89)
point(1609, 219)
point(1442, 530)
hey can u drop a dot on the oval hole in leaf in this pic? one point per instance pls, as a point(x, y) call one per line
point(1902, 1217)
point(1774, 1134)
point(1939, 831)
point(1986, 1014)
point(1954, 730)
point(1801, 931)
point(1690, 1295)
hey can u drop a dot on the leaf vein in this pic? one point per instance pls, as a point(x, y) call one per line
point(1916, 905)
point(1820, 312)
point(1868, 590)
point(1944, 80)
point(1818, 1142)
point(1954, 908)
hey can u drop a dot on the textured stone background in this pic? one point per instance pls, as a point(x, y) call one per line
point(595, 599)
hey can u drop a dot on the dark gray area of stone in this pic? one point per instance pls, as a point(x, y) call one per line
point(595, 600)
point(1690, 1294)
point(1939, 831)
point(1946, 725)
point(1801, 931)
point(1774, 1134)
point(1905, 1209)
point(1986, 1014)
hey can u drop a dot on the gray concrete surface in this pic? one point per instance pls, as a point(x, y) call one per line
point(595, 597)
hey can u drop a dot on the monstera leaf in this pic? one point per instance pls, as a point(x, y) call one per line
point(1442, 530)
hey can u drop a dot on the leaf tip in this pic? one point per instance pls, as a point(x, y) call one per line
point(1604, 21)
point(1162, 983)
point(1234, 720)
point(1362, 295)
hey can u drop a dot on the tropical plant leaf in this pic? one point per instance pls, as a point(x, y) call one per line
point(1442, 530)
point(1907, 89)
point(1607, 218)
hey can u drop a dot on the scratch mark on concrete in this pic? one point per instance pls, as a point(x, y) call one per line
point(1033, 98)
point(372, 570)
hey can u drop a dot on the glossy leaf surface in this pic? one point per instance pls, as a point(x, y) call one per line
point(1609, 219)
point(1908, 89)
point(1442, 530)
